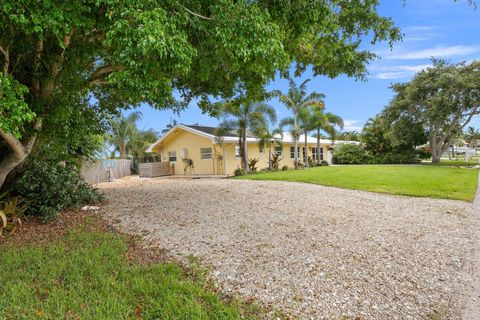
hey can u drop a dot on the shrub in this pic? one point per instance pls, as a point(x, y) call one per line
point(350, 154)
point(240, 172)
point(285, 168)
point(323, 163)
point(424, 153)
point(50, 186)
point(252, 164)
point(276, 161)
point(11, 212)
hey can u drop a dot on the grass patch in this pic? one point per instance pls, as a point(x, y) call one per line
point(454, 163)
point(85, 275)
point(412, 180)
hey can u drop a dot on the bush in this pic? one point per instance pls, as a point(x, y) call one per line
point(50, 186)
point(285, 168)
point(350, 154)
point(252, 164)
point(240, 172)
point(323, 163)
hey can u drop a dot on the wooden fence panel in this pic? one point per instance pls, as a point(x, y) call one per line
point(103, 170)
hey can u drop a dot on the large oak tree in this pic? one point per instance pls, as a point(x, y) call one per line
point(116, 54)
point(442, 100)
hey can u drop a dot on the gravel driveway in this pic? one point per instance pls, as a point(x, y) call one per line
point(314, 252)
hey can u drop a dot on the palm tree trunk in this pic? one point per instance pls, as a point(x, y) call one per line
point(305, 153)
point(270, 157)
point(318, 146)
point(295, 144)
point(244, 150)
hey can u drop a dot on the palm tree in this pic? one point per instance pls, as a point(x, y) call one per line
point(169, 126)
point(242, 115)
point(472, 137)
point(349, 136)
point(327, 122)
point(122, 129)
point(297, 99)
point(139, 143)
point(268, 138)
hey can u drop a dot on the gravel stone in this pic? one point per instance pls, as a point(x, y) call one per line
point(313, 252)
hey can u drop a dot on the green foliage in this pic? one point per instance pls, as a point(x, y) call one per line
point(240, 172)
point(12, 211)
point(68, 278)
point(252, 164)
point(242, 115)
point(14, 111)
point(50, 186)
point(350, 154)
point(418, 181)
point(323, 163)
point(285, 168)
point(442, 99)
point(392, 140)
point(276, 161)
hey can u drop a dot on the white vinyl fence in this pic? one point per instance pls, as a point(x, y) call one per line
point(105, 170)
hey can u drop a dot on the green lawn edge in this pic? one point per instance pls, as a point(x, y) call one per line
point(442, 182)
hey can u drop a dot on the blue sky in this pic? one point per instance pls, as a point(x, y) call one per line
point(431, 28)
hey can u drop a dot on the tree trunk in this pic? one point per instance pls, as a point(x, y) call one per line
point(270, 157)
point(305, 153)
point(243, 150)
point(295, 143)
point(20, 151)
point(318, 145)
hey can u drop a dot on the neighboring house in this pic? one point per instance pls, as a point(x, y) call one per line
point(196, 149)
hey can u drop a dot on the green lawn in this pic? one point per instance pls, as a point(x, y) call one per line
point(413, 180)
point(85, 275)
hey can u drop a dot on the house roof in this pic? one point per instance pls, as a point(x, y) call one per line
point(209, 132)
point(212, 131)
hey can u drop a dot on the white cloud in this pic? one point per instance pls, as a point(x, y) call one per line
point(352, 125)
point(396, 72)
point(436, 52)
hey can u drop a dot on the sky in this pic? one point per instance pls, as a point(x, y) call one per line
point(432, 28)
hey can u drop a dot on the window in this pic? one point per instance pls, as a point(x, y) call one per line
point(237, 152)
point(292, 153)
point(321, 153)
point(172, 156)
point(314, 153)
point(206, 153)
point(277, 151)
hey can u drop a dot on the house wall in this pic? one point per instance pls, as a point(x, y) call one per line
point(181, 139)
point(253, 151)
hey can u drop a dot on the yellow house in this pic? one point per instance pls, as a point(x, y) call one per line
point(192, 149)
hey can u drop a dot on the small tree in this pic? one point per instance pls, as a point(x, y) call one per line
point(242, 115)
point(298, 102)
point(268, 139)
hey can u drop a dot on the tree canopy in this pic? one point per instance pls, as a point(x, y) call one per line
point(117, 54)
point(442, 100)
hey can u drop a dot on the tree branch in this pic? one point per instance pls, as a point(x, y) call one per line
point(99, 75)
point(6, 55)
point(36, 66)
point(196, 14)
